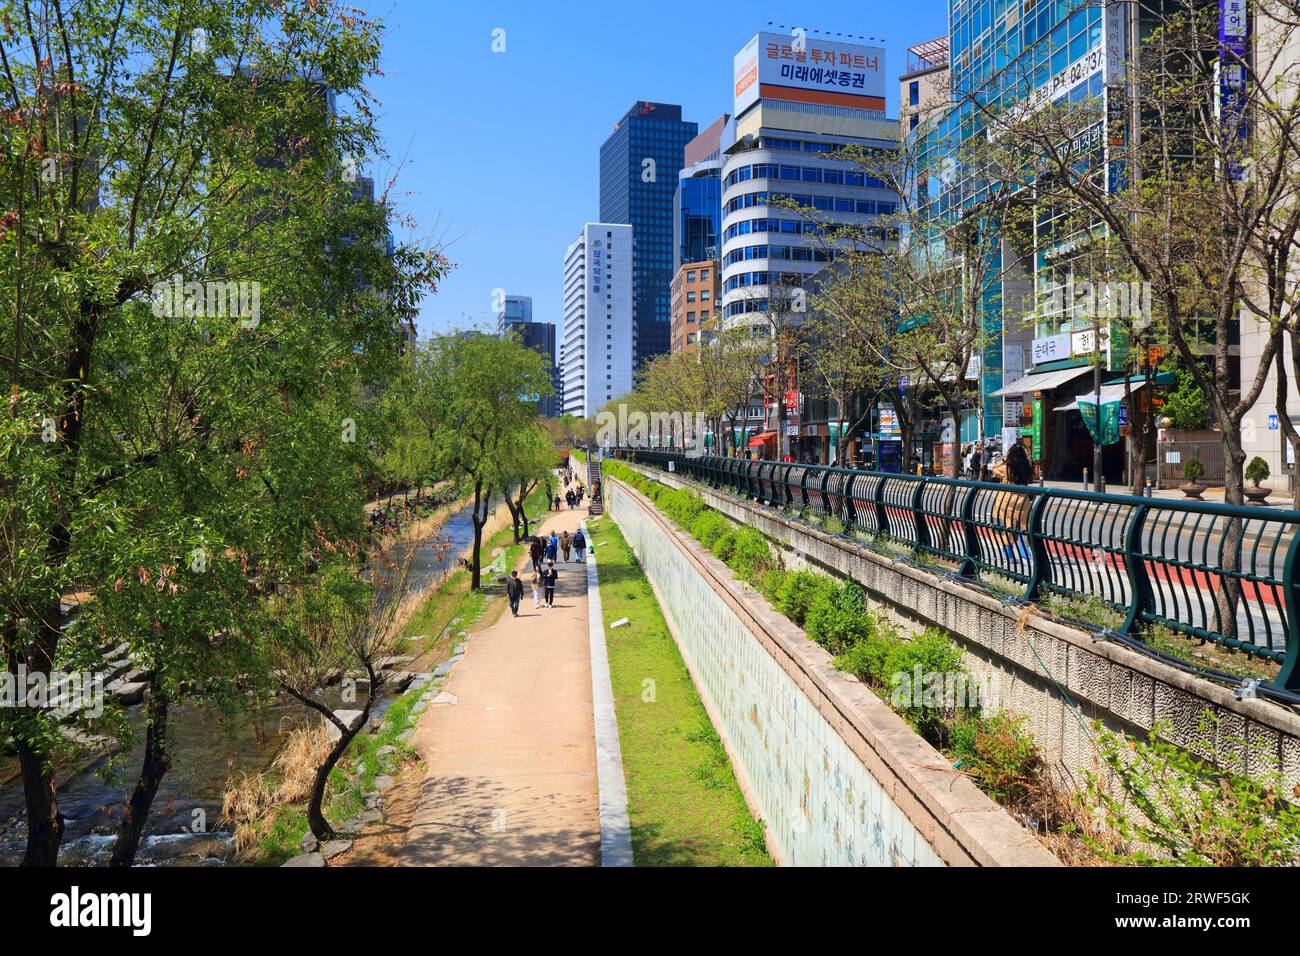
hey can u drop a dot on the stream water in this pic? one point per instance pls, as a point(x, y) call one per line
point(206, 752)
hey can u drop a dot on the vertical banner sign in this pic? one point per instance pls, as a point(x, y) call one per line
point(1115, 36)
point(1108, 431)
point(1234, 31)
point(1037, 432)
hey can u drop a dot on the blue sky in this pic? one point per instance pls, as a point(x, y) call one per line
point(498, 151)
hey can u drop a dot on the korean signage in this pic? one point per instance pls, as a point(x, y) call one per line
point(1234, 32)
point(802, 67)
point(1051, 348)
point(1108, 432)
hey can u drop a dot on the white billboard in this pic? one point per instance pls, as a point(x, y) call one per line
point(808, 69)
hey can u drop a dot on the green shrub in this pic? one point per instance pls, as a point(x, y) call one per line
point(929, 657)
point(1257, 470)
point(1000, 753)
point(708, 527)
point(799, 591)
point(752, 555)
point(839, 618)
point(1172, 808)
point(1193, 469)
point(771, 583)
point(724, 545)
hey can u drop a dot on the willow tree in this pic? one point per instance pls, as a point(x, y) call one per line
point(197, 302)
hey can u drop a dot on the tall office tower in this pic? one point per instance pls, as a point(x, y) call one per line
point(516, 318)
point(639, 163)
point(797, 99)
point(697, 228)
point(596, 354)
point(697, 204)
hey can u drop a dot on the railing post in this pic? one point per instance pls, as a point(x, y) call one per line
point(882, 520)
point(970, 535)
point(1141, 598)
point(918, 515)
point(803, 489)
point(1288, 678)
point(850, 511)
point(826, 499)
point(1040, 563)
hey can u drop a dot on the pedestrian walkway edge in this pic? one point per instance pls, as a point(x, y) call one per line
point(615, 827)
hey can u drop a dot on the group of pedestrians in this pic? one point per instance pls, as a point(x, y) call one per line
point(544, 552)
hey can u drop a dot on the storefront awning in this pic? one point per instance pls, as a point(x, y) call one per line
point(1109, 393)
point(761, 439)
point(1043, 381)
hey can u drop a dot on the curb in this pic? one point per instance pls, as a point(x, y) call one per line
point(615, 827)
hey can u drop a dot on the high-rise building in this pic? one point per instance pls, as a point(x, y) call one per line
point(516, 318)
point(596, 354)
point(797, 100)
point(697, 204)
point(639, 164)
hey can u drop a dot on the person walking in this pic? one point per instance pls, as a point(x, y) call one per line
point(580, 545)
point(552, 547)
point(549, 577)
point(537, 587)
point(569, 498)
point(535, 552)
point(566, 543)
point(514, 592)
point(557, 502)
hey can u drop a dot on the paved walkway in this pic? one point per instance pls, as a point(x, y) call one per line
point(510, 756)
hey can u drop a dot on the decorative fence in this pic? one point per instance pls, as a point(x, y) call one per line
point(1220, 573)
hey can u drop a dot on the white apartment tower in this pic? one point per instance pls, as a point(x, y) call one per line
point(596, 351)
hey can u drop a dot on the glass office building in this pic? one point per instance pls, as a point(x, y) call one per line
point(639, 166)
point(697, 215)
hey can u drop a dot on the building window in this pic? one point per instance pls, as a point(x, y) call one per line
point(690, 277)
point(914, 93)
point(704, 275)
point(913, 120)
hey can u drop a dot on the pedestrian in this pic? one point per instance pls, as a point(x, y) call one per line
point(514, 591)
point(565, 544)
point(537, 587)
point(549, 577)
point(569, 498)
point(535, 552)
point(557, 502)
point(1019, 469)
point(580, 545)
point(552, 547)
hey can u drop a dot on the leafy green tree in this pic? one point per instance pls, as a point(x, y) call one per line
point(196, 306)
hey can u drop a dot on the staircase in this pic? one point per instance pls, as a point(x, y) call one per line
point(597, 506)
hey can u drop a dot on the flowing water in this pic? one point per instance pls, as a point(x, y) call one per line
point(206, 751)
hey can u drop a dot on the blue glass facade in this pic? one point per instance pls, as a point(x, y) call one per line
point(697, 213)
point(639, 166)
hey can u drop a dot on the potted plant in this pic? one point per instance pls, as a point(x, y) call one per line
point(1192, 471)
point(1257, 471)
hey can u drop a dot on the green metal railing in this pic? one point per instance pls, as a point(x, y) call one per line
point(1220, 573)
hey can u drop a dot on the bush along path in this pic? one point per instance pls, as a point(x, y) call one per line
point(684, 804)
point(1149, 802)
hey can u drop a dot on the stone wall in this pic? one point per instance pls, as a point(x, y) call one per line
point(838, 778)
point(1060, 678)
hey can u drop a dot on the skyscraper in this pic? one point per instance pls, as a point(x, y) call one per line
point(596, 353)
point(516, 318)
point(798, 99)
point(639, 164)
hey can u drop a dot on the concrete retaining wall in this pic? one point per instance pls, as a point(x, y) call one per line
point(1057, 676)
point(838, 778)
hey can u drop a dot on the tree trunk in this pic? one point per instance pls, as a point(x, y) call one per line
point(44, 822)
point(156, 763)
point(479, 518)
